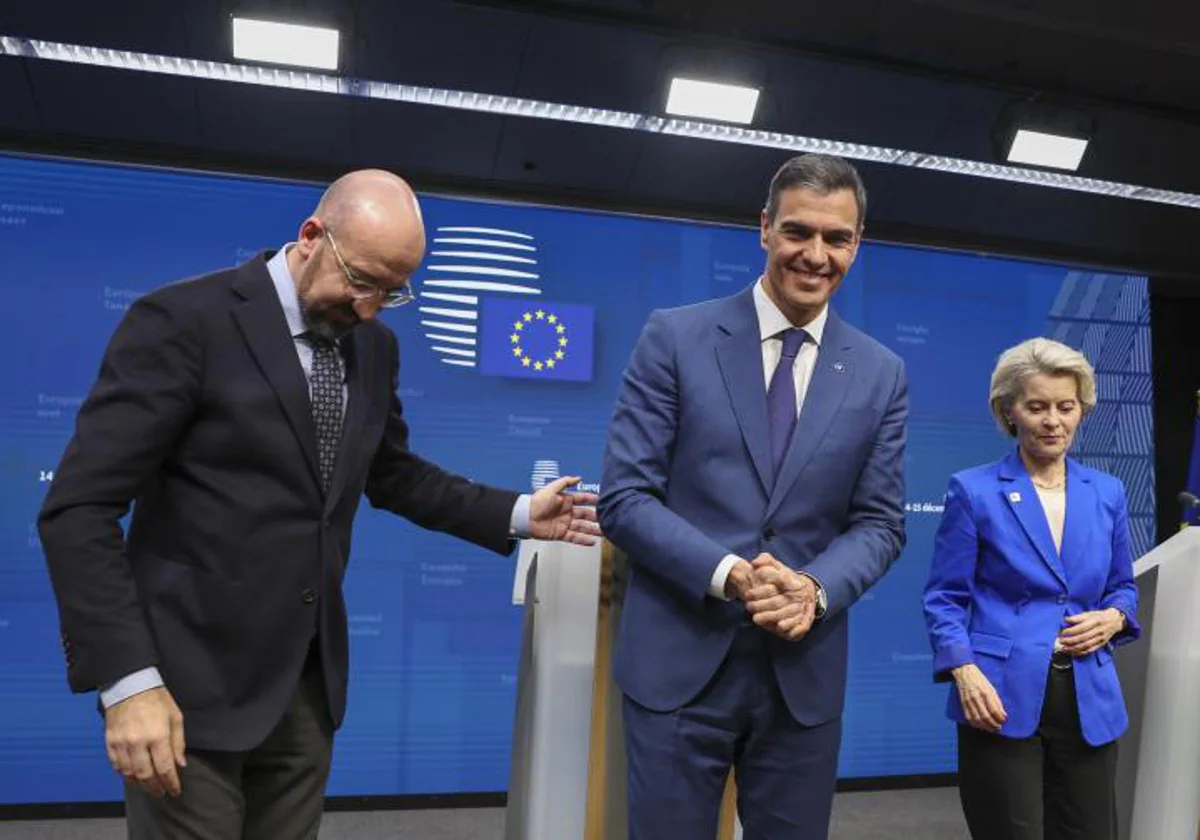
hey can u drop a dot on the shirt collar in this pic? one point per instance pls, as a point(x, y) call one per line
point(772, 321)
point(285, 287)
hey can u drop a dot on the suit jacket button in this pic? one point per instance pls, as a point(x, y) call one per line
point(308, 596)
point(768, 533)
point(1062, 599)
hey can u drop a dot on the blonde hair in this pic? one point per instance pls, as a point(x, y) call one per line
point(1030, 358)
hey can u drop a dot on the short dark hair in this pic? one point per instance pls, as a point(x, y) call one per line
point(823, 173)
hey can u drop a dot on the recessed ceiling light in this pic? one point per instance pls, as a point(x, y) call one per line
point(1042, 149)
point(711, 101)
point(285, 43)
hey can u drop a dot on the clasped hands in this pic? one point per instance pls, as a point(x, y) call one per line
point(1087, 632)
point(1084, 634)
point(780, 600)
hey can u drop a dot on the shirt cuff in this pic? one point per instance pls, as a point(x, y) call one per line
point(716, 586)
point(135, 683)
point(822, 598)
point(518, 525)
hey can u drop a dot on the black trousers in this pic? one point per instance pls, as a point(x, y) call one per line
point(1050, 786)
point(272, 792)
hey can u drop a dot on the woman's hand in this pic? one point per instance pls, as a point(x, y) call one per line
point(1087, 632)
point(980, 702)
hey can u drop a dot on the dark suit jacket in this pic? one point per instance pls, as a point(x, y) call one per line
point(234, 556)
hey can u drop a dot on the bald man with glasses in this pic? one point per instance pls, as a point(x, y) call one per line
point(243, 414)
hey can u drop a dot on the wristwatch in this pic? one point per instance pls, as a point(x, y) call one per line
point(822, 598)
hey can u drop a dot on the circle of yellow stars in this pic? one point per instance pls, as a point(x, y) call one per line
point(560, 343)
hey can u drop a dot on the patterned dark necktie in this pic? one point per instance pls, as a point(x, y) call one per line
point(326, 387)
point(781, 395)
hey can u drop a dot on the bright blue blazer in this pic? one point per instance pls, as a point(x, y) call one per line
point(998, 591)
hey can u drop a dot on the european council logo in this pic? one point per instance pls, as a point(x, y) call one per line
point(537, 339)
point(481, 308)
point(544, 472)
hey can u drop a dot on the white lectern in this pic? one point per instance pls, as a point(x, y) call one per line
point(1167, 789)
point(568, 779)
point(559, 585)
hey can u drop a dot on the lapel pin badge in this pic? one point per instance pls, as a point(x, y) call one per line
point(1014, 497)
point(838, 367)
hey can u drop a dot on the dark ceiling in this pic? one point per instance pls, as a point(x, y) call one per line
point(926, 75)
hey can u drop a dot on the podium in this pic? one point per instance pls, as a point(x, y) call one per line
point(1158, 773)
point(567, 780)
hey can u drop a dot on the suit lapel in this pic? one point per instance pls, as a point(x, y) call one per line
point(1022, 498)
point(739, 355)
point(359, 367)
point(260, 318)
point(1081, 501)
point(831, 378)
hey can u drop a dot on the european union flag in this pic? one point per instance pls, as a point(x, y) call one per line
point(536, 339)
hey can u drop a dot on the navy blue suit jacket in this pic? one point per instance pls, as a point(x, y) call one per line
point(998, 590)
point(688, 479)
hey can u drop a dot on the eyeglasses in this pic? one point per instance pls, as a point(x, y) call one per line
point(365, 290)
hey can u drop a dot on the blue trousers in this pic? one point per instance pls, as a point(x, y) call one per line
point(679, 760)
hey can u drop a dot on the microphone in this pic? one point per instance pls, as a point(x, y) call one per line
point(1188, 500)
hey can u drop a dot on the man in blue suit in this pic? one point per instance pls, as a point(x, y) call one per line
point(754, 477)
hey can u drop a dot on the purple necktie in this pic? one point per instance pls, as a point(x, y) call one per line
point(781, 395)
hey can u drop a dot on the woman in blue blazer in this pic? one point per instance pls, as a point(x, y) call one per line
point(1030, 588)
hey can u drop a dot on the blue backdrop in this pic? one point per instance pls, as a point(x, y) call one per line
point(434, 635)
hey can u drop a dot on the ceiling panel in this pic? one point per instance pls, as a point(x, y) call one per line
point(99, 102)
point(17, 109)
point(600, 66)
point(444, 45)
point(970, 117)
point(774, 21)
point(261, 121)
point(207, 29)
point(1147, 151)
point(975, 37)
point(1109, 70)
point(1077, 226)
point(703, 174)
point(141, 25)
point(795, 92)
point(567, 155)
point(864, 105)
point(933, 36)
point(421, 139)
point(1161, 25)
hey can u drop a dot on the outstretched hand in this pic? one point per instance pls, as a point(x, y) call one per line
point(569, 517)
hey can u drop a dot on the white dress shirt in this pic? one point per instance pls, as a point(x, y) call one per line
point(772, 322)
